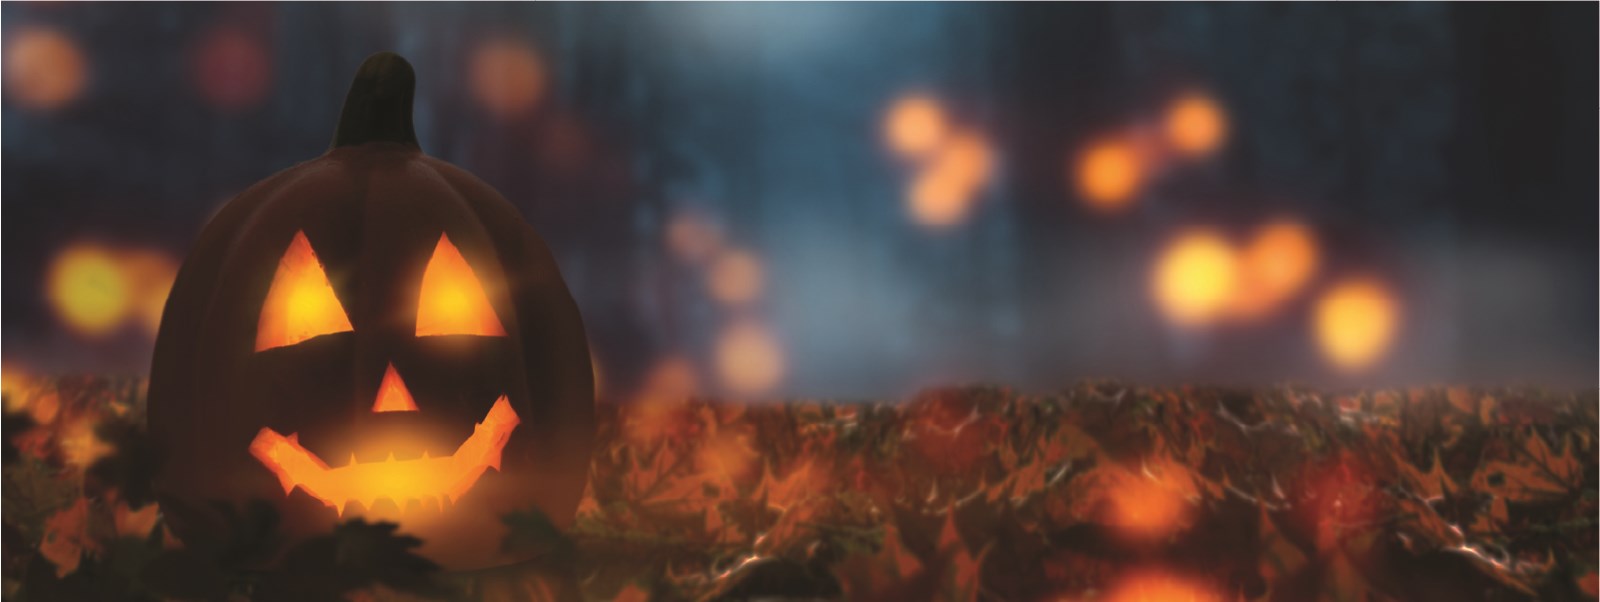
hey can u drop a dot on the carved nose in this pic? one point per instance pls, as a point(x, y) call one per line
point(392, 394)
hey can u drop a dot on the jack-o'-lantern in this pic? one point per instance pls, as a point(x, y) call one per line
point(375, 333)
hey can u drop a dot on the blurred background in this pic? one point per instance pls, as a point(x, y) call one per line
point(853, 200)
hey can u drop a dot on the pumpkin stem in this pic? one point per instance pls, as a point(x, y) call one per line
point(378, 107)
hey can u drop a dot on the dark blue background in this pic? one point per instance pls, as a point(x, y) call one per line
point(1450, 148)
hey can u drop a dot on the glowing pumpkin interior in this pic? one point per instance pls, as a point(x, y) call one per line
point(426, 480)
point(301, 304)
point(453, 301)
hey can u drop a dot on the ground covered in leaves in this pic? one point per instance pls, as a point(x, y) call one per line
point(1103, 492)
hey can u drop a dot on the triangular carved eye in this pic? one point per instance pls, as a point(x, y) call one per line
point(452, 300)
point(301, 303)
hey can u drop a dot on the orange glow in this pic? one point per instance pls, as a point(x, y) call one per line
point(943, 192)
point(728, 458)
point(565, 145)
point(1153, 502)
point(1279, 261)
point(659, 407)
point(669, 381)
point(150, 276)
point(135, 523)
point(1195, 125)
point(937, 200)
point(1153, 586)
point(915, 125)
point(735, 277)
point(692, 238)
point(80, 447)
point(967, 159)
point(1195, 278)
point(748, 359)
point(44, 407)
point(453, 301)
point(301, 303)
point(44, 69)
point(1355, 322)
point(88, 289)
point(232, 69)
point(1109, 174)
point(439, 480)
point(507, 77)
point(393, 395)
point(17, 386)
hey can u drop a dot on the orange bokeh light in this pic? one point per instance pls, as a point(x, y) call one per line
point(966, 160)
point(1158, 586)
point(44, 69)
point(748, 359)
point(1355, 322)
point(692, 238)
point(1195, 278)
point(671, 380)
point(452, 299)
point(936, 200)
point(300, 303)
point(1278, 262)
point(150, 275)
point(658, 405)
point(232, 69)
point(1195, 125)
point(735, 277)
point(915, 125)
point(89, 289)
point(94, 289)
point(507, 77)
point(1109, 174)
point(943, 192)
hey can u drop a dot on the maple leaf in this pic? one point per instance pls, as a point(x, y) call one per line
point(961, 567)
point(1433, 484)
point(66, 537)
point(1532, 472)
point(1589, 583)
point(892, 573)
point(135, 523)
point(632, 593)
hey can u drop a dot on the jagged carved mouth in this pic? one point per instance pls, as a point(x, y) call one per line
point(441, 480)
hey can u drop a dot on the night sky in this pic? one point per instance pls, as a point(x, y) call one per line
point(1444, 153)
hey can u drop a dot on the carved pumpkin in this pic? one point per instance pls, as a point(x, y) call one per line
point(375, 333)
